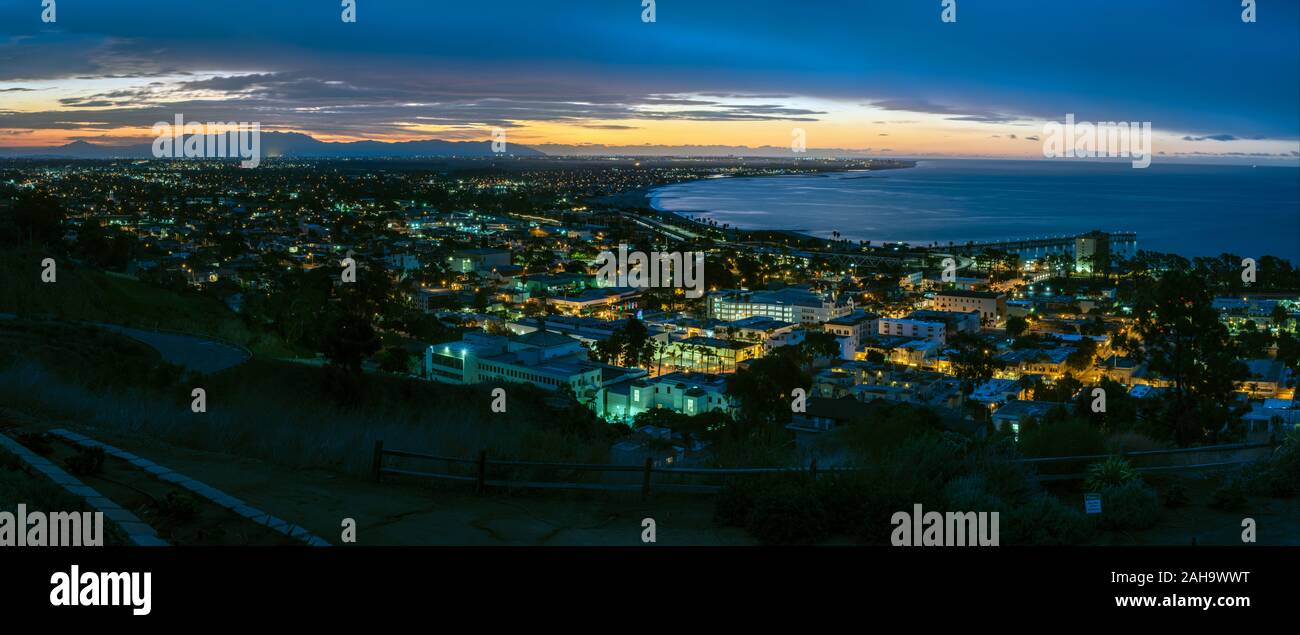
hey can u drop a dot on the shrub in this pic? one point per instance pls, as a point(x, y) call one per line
point(86, 461)
point(736, 499)
point(1112, 472)
point(1044, 520)
point(1230, 495)
point(1279, 475)
point(852, 505)
point(176, 507)
point(1133, 505)
point(791, 513)
point(1004, 477)
point(1173, 493)
point(38, 442)
point(970, 493)
point(1070, 437)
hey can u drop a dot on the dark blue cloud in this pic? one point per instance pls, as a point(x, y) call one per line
point(1185, 65)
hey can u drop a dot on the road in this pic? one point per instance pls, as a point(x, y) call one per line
point(194, 353)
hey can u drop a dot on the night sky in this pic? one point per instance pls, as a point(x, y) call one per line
point(885, 77)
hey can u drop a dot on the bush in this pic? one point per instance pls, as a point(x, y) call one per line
point(1133, 505)
point(1071, 437)
point(1004, 477)
point(1112, 472)
point(86, 461)
point(791, 513)
point(852, 505)
point(38, 442)
point(737, 498)
point(176, 507)
point(970, 493)
point(1230, 495)
point(1044, 520)
point(1173, 492)
point(1279, 475)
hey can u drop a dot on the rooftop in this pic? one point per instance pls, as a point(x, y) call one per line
point(1018, 409)
point(984, 295)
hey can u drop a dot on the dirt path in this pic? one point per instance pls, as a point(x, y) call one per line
point(179, 517)
point(194, 353)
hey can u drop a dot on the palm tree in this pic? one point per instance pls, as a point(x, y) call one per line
point(659, 349)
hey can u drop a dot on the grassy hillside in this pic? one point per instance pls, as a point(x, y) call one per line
point(86, 294)
point(94, 357)
point(285, 413)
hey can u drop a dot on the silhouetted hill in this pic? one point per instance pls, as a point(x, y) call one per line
point(288, 144)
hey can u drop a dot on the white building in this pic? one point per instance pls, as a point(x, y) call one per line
point(992, 306)
point(543, 359)
point(852, 330)
point(800, 306)
point(682, 392)
point(936, 332)
point(772, 333)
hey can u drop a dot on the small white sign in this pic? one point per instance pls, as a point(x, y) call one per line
point(1092, 503)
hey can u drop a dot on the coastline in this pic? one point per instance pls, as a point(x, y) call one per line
point(962, 202)
point(647, 197)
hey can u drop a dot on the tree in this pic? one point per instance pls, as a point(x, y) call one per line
point(763, 389)
point(1016, 325)
point(396, 359)
point(1081, 358)
point(349, 341)
point(972, 360)
point(817, 345)
point(1069, 436)
point(628, 346)
point(33, 218)
point(1121, 410)
point(1184, 341)
point(1062, 390)
point(1288, 350)
point(1279, 315)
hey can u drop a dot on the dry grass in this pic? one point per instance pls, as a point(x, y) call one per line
point(265, 411)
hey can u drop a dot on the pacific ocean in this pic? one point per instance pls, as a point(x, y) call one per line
point(1188, 209)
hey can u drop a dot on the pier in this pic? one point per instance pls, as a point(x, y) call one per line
point(1122, 244)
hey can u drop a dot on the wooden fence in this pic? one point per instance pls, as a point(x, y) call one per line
point(476, 470)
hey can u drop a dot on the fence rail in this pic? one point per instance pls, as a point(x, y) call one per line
point(648, 470)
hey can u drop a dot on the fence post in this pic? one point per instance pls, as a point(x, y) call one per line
point(645, 478)
point(378, 459)
point(482, 471)
point(814, 468)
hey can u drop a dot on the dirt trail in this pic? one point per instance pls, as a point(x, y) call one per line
point(179, 517)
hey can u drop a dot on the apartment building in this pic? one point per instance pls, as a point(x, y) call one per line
point(852, 331)
point(936, 332)
point(991, 305)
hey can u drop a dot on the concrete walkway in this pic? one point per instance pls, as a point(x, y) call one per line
point(194, 353)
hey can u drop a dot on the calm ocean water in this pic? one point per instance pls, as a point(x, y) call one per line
point(1193, 210)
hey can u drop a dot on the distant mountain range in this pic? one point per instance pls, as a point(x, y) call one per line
point(647, 150)
point(288, 144)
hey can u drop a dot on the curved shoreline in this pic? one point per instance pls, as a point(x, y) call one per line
point(651, 195)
